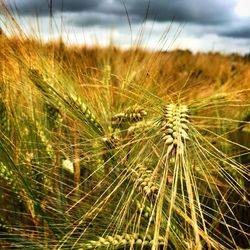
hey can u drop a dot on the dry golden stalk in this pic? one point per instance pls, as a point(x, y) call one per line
point(77, 167)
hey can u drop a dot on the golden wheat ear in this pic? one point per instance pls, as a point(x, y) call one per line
point(133, 114)
point(144, 179)
point(175, 128)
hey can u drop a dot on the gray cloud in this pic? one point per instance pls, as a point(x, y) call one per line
point(240, 32)
point(212, 12)
point(40, 7)
point(194, 11)
point(91, 18)
point(210, 16)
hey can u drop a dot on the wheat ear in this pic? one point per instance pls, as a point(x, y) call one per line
point(131, 115)
point(118, 241)
point(174, 127)
point(10, 179)
point(144, 179)
point(69, 102)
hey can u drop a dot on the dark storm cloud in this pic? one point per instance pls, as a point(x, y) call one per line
point(41, 7)
point(194, 11)
point(210, 12)
point(96, 18)
point(240, 32)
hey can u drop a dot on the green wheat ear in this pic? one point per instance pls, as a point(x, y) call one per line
point(245, 120)
point(46, 142)
point(144, 210)
point(54, 116)
point(8, 176)
point(4, 122)
point(69, 103)
point(122, 241)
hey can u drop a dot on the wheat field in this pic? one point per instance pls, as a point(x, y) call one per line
point(104, 148)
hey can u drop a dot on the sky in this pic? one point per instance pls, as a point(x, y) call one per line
point(197, 25)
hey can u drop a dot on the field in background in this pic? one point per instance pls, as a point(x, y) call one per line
point(85, 151)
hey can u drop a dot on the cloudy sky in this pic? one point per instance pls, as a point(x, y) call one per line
point(211, 25)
